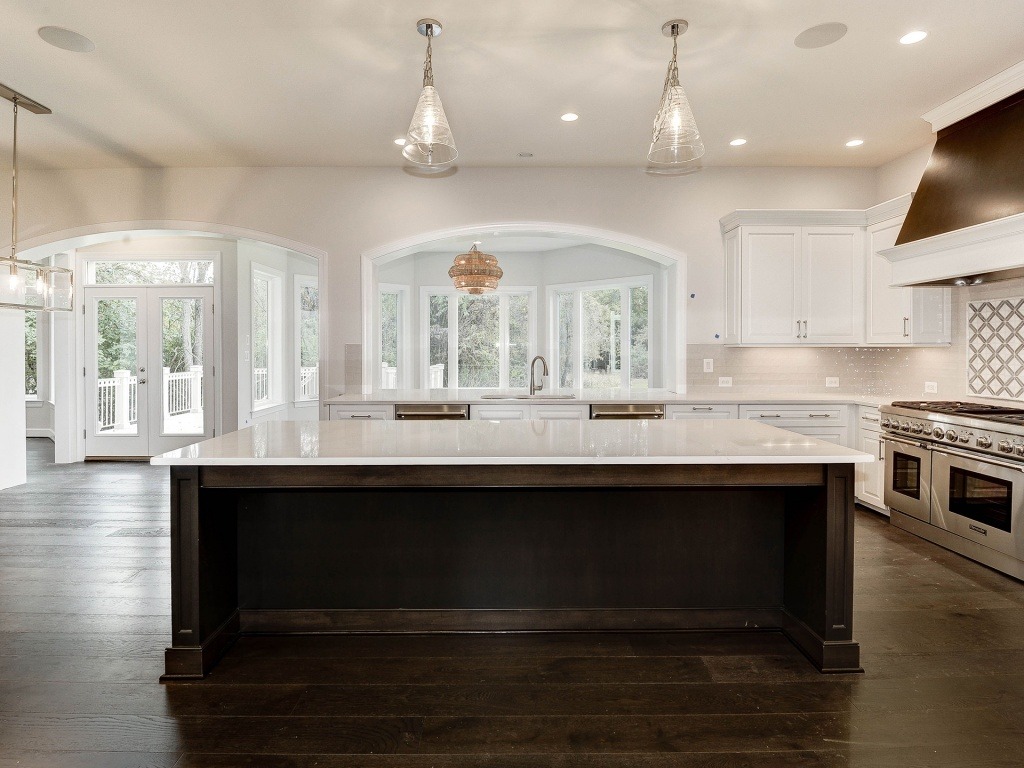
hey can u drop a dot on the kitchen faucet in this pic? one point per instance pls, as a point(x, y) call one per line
point(534, 387)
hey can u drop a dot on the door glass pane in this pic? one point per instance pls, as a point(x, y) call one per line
point(117, 409)
point(639, 345)
point(518, 339)
point(479, 324)
point(438, 377)
point(309, 343)
point(601, 338)
point(31, 355)
point(906, 475)
point(181, 346)
point(160, 272)
point(389, 324)
point(981, 497)
point(566, 369)
point(260, 340)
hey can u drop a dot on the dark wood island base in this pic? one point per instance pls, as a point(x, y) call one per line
point(511, 548)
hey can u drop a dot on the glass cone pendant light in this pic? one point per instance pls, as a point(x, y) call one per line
point(28, 285)
point(429, 141)
point(676, 140)
point(475, 272)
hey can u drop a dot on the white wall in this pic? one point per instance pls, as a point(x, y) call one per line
point(902, 175)
point(12, 397)
point(347, 211)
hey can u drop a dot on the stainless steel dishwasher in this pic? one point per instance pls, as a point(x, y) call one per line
point(437, 411)
point(627, 411)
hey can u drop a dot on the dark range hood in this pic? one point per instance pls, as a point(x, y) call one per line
point(975, 175)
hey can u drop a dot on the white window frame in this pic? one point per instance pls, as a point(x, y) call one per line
point(405, 316)
point(624, 284)
point(301, 282)
point(453, 331)
point(275, 337)
point(92, 258)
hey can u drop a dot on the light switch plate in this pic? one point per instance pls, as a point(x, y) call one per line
point(709, 364)
point(831, 381)
point(931, 387)
point(725, 381)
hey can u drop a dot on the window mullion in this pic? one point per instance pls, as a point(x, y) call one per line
point(503, 341)
point(625, 337)
point(577, 338)
point(453, 341)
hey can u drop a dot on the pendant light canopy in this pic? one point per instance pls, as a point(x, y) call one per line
point(429, 141)
point(475, 272)
point(27, 285)
point(676, 140)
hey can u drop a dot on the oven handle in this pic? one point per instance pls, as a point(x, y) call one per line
point(900, 440)
point(981, 459)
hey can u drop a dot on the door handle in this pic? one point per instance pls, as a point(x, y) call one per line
point(142, 370)
point(142, 381)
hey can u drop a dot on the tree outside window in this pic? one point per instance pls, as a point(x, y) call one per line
point(31, 355)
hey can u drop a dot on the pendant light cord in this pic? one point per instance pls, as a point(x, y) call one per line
point(14, 185)
point(428, 63)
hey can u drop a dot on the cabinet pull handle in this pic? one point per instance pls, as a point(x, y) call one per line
point(362, 416)
point(798, 329)
point(906, 329)
point(875, 419)
point(769, 416)
point(881, 451)
point(702, 408)
point(805, 329)
point(818, 415)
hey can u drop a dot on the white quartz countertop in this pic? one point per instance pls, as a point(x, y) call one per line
point(588, 396)
point(376, 443)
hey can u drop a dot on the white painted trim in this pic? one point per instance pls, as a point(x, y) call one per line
point(39, 432)
point(674, 369)
point(276, 323)
point(298, 283)
point(988, 247)
point(984, 94)
point(793, 218)
point(890, 209)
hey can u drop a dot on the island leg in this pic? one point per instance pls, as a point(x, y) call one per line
point(204, 580)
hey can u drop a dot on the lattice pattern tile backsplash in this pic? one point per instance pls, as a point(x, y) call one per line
point(995, 348)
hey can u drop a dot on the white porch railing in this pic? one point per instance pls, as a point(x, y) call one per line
point(260, 385)
point(117, 399)
point(309, 383)
point(437, 376)
point(388, 376)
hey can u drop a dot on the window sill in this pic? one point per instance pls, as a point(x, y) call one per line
point(267, 408)
point(31, 401)
point(305, 403)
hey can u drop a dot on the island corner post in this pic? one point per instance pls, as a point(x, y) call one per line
point(520, 547)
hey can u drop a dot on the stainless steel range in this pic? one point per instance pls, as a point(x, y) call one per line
point(955, 476)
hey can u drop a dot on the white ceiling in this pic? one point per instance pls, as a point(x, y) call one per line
point(333, 82)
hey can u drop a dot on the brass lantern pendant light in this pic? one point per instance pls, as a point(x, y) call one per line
point(475, 272)
point(28, 285)
point(676, 140)
point(429, 141)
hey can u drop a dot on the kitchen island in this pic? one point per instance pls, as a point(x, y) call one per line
point(312, 527)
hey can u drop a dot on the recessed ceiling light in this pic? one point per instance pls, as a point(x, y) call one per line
point(913, 37)
point(737, 142)
point(854, 142)
point(66, 39)
point(400, 142)
point(821, 35)
point(570, 117)
point(525, 155)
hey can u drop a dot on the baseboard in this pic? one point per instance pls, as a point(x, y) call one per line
point(194, 661)
point(40, 432)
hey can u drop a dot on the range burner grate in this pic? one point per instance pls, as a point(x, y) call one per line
point(965, 409)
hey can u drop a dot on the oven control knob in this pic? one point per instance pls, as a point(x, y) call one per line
point(1019, 450)
point(966, 437)
point(984, 442)
point(917, 429)
point(951, 435)
point(1005, 447)
point(905, 426)
point(886, 424)
point(938, 432)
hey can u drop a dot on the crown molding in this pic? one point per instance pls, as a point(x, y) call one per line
point(794, 218)
point(890, 209)
point(985, 94)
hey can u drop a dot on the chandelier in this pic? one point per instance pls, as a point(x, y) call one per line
point(28, 285)
point(475, 272)
point(676, 140)
point(429, 141)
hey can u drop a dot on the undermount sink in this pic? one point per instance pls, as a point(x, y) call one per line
point(528, 397)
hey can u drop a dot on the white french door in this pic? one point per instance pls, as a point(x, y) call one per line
point(149, 369)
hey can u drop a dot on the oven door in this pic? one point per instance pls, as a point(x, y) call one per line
point(908, 471)
point(980, 499)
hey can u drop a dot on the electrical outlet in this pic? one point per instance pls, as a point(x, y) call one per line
point(831, 381)
point(725, 381)
point(709, 364)
point(931, 387)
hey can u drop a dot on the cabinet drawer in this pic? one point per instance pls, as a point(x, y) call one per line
point(560, 412)
point(499, 412)
point(701, 411)
point(868, 419)
point(791, 415)
point(374, 412)
point(837, 435)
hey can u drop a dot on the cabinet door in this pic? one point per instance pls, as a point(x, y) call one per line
point(510, 412)
point(560, 412)
point(731, 244)
point(870, 478)
point(833, 285)
point(701, 411)
point(371, 412)
point(769, 285)
point(889, 309)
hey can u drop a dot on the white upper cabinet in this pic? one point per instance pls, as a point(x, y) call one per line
point(901, 316)
point(815, 278)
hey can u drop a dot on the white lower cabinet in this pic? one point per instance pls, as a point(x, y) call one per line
point(869, 479)
point(520, 411)
point(824, 422)
point(371, 412)
point(701, 411)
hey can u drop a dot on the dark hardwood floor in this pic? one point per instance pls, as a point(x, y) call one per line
point(84, 620)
